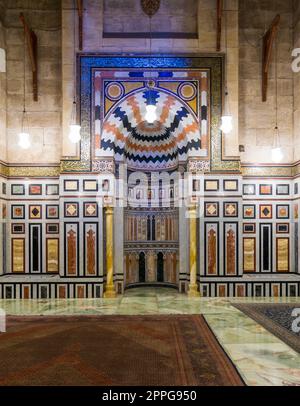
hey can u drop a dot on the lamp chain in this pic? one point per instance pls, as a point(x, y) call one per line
point(24, 82)
point(276, 96)
point(227, 105)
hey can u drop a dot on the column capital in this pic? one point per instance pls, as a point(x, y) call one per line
point(109, 210)
point(193, 208)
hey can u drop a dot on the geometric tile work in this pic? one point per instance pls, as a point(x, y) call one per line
point(212, 209)
point(249, 211)
point(265, 211)
point(52, 211)
point(230, 209)
point(282, 211)
point(71, 209)
point(265, 189)
point(90, 209)
point(35, 212)
point(259, 245)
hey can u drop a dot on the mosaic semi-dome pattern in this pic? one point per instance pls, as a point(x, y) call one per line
point(160, 145)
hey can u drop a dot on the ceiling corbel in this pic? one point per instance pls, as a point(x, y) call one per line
point(268, 41)
point(32, 49)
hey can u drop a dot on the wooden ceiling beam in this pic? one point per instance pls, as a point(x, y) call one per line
point(219, 24)
point(32, 49)
point(268, 41)
point(80, 23)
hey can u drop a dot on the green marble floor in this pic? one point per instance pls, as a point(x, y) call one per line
point(260, 357)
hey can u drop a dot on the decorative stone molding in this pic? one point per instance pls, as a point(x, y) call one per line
point(103, 166)
point(198, 166)
point(270, 171)
point(29, 171)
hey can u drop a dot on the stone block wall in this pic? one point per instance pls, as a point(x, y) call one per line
point(296, 78)
point(43, 117)
point(2, 87)
point(53, 22)
point(173, 16)
point(94, 24)
point(257, 119)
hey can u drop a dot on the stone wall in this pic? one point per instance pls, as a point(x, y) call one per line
point(257, 119)
point(127, 16)
point(95, 42)
point(2, 88)
point(2, 9)
point(296, 77)
point(254, 120)
point(44, 117)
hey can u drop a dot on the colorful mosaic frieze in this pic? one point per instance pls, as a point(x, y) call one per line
point(27, 170)
point(105, 166)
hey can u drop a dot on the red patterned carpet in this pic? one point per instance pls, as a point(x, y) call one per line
point(113, 350)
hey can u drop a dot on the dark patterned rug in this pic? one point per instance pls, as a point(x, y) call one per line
point(276, 318)
point(113, 350)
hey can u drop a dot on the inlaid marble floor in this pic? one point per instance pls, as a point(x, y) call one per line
point(260, 357)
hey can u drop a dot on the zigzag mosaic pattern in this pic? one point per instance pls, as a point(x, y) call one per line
point(173, 137)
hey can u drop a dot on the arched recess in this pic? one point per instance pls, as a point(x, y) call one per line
point(160, 267)
point(171, 140)
point(174, 137)
point(142, 267)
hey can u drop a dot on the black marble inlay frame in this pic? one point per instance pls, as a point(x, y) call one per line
point(249, 189)
point(283, 189)
point(18, 228)
point(35, 248)
point(266, 245)
point(52, 228)
point(283, 228)
point(17, 190)
point(249, 228)
point(286, 211)
point(18, 212)
point(52, 190)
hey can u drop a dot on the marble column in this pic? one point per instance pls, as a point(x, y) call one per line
point(193, 287)
point(109, 287)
